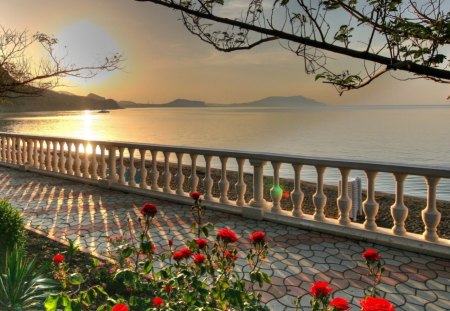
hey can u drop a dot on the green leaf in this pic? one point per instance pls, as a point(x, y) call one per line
point(126, 252)
point(148, 266)
point(76, 279)
point(51, 303)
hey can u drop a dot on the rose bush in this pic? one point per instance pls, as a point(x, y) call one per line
point(198, 276)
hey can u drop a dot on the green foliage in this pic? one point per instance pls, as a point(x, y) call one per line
point(12, 230)
point(22, 285)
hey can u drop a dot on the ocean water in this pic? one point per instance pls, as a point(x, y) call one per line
point(417, 135)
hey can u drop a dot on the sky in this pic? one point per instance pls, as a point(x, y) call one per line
point(165, 62)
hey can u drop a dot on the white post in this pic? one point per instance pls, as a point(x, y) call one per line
point(370, 205)
point(193, 178)
point(70, 158)
point(179, 178)
point(14, 155)
point(241, 187)
point(343, 201)
point(275, 191)
point(154, 174)
point(41, 155)
point(86, 161)
point(258, 184)
point(94, 174)
point(430, 215)
point(55, 156)
point(35, 154)
point(297, 195)
point(62, 158)
point(224, 184)
point(132, 180)
point(143, 183)
point(112, 177)
point(48, 158)
point(208, 181)
point(122, 180)
point(167, 176)
point(103, 162)
point(77, 160)
point(19, 151)
point(399, 211)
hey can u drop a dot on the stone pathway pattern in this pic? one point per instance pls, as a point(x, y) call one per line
point(297, 258)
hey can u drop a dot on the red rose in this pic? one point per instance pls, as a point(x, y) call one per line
point(149, 210)
point(199, 258)
point(230, 256)
point(376, 304)
point(286, 195)
point(371, 255)
point(58, 258)
point(168, 288)
point(120, 307)
point(195, 195)
point(257, 237)
point(184, 253)
point(339, 304)
point(158, 302)
point(170, 242)
point(320, 289)
point(201, 243)
point(227, 235)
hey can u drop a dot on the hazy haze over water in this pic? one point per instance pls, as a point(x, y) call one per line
point(406, 135)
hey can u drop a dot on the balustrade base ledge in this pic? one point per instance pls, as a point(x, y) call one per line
point(410, 242)
point(383, 236)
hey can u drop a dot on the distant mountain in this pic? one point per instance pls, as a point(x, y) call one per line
point(54, 101)
point(174, 103)
point(185, 103)
point(282, 101)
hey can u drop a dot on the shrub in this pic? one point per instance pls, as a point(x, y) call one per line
point(12, 230)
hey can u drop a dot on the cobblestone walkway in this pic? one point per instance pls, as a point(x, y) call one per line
point(297, 257)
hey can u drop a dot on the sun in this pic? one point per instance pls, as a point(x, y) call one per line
point(85, 43)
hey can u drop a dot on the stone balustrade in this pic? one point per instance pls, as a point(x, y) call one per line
point(158, 171)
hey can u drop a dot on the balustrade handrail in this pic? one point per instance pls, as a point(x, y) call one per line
point(395, 168)
point(126, 166)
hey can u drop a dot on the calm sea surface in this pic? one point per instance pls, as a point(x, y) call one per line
point(407, 135)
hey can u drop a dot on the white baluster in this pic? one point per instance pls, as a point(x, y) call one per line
point(430, 215)
point(344, 202)
point(193, 179)
point(132, 170)
point(167, 176)
point(143, 183)
point(35, 153)
point(275, 191)
point(319, 198)
point(86, 161)
point(399, 211)
point(29, 152)
point(179, 178)
point(154, 174)
point(102, 162)
point(55, 156)
point(258, 184)
point(112, 164)
point(122, 180)
point(70, 158)
point(77, 159)
point(48, 159)
point(41, 155)
point(370, 205)
point(14, 155)
point(241, 186)
point(94, 162)
point(3, 142)
point(297, 195)
point(8, 148)
point(208, 181)
point(224, 184)
point(19, 151)
point(62, 157)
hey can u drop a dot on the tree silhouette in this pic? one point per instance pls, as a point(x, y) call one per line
point(385, 35)
point(23, 75)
